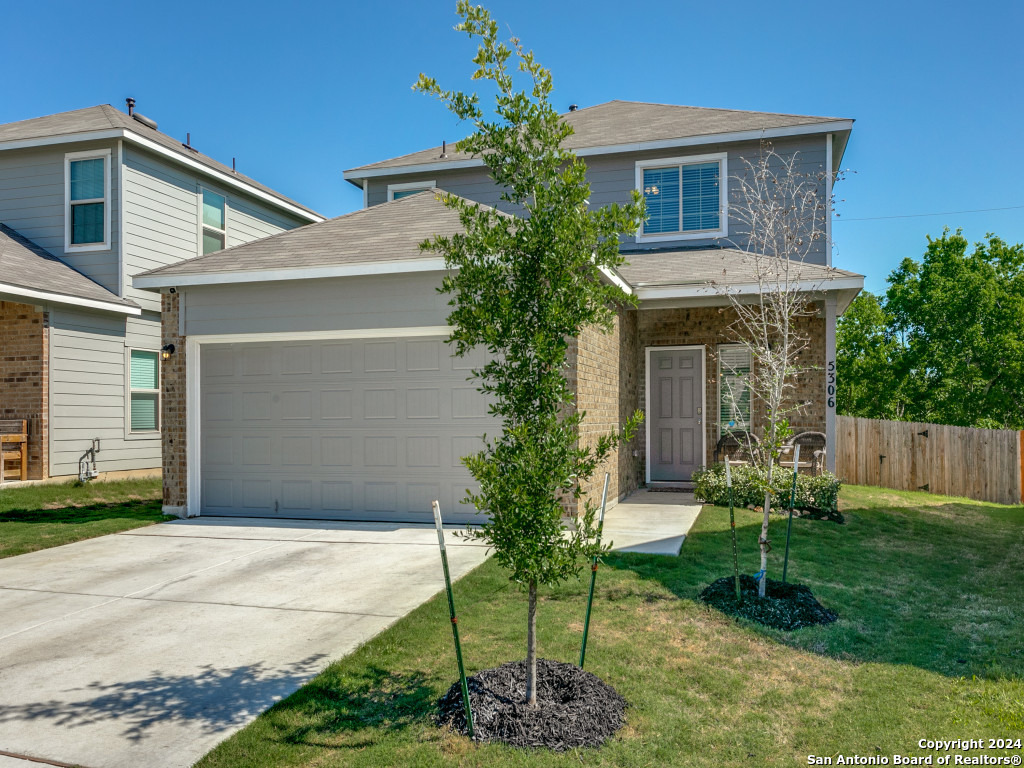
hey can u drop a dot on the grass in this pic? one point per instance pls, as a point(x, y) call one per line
point(928, 645)
point(41, 516)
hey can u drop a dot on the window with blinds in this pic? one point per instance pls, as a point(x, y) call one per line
point(734, 396)
point(684, 198)
point(144, 382)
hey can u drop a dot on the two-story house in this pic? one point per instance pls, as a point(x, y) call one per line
point(87, 199)
point(312, 378)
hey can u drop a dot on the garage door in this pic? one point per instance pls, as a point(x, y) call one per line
point(368, 429)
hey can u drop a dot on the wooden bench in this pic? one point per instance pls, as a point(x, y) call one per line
point(13, 447)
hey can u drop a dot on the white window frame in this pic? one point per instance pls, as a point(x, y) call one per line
point(722, 428)
point(419, 186)
point(202, 226)
point(140, 434)
point(93, 154)
point(722, 158)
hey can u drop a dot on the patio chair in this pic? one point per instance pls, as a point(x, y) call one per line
point(13, 447)
point(812, 452)
point(738, 446)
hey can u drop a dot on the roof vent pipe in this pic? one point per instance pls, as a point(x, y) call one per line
point(131, 105)
point(573, 107)
point(444, 150)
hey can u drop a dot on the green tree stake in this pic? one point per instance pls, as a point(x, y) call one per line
point(455, 621)
point(593, 574)
point(792, 503)
point(732, 527)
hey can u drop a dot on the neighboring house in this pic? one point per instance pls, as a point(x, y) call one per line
point(87, 199)
point(312, 378)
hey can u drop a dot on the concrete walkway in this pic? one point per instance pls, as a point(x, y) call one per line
point(149, 647)
point(651, 522)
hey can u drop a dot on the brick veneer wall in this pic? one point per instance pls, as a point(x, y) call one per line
point(709, 326)
point(173, 408)
point(605, 377)
point(25, 378)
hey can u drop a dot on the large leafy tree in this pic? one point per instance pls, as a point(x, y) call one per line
point(947, 343)
point(522, 287)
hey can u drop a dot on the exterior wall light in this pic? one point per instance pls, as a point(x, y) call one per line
point(166, 351)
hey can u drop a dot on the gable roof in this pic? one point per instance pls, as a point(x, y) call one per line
point(67, 126)
point(30, 272)
point(380, 235)
point(621, 126)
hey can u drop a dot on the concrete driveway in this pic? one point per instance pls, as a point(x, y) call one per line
point(149, 647)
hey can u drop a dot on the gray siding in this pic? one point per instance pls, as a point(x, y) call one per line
point(88, 390)
point(374, 301)
point(613, 177)
point(32, 202)
point(162, 218)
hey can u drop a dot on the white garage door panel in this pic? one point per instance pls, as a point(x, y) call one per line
point(362, 429)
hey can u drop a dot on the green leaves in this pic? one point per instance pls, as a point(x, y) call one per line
point(522, 287)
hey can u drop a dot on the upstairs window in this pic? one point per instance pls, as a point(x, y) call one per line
point(733, 388)
point(214, 223)
point(87, 204)
point(685, 197)
point(145, 391)
point(398, 191)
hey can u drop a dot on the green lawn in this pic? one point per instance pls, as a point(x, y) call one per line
point(40, 516)
point(928, 645)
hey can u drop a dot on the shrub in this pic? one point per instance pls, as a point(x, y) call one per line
point(821, 491)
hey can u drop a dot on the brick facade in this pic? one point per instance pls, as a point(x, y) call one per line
point(25, 378)
point(709, 327)
point(173, 412)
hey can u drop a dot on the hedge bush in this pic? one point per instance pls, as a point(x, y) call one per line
point(820, 491)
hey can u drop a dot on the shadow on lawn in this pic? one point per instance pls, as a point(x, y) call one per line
point(213, 699)
point(135, 509)
point(332, 712)
point(933, 588)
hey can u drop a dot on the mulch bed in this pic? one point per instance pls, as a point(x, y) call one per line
point(784, 606)
point(574, 707)
point(814, 513)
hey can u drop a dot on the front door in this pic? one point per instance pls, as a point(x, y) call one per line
point(676, 418)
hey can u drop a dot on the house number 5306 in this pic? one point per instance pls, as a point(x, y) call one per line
point(830, 383)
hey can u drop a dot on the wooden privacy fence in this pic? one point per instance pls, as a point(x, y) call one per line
point(983, 464)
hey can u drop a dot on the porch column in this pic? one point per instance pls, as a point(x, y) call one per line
point(830, 382)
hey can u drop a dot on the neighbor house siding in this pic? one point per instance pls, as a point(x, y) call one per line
point(88, 387)
point(162, 218)
point(612, 179)
point(32, 203)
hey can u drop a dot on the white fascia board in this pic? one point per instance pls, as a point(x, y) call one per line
point(823, 285)
point(834, 126)
point(152, 146)
point(299, 273)
point(59, 298)
point(616, 279)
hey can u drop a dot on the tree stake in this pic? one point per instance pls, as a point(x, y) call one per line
point(593, 574)
point(792, 503)
point(732, 527)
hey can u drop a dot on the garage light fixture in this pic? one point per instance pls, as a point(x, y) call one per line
point(166, 351)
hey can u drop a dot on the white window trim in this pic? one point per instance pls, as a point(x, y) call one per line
point(103, 154)
point(718, 414)
point(202, 226)
point(417, 185)
point(723, 196)
point(148, 434)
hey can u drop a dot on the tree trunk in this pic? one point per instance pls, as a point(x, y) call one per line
point(531, 648)
point(764, 545)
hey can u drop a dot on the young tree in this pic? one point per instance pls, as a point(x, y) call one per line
point(522, 287)
point(781, 213)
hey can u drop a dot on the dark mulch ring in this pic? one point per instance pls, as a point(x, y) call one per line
point(784, 606)
point(574, 707)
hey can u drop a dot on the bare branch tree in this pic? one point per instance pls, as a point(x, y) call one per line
point(781, 213)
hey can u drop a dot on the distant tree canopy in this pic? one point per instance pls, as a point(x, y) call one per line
point(945, 343)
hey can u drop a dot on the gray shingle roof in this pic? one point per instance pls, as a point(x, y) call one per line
point(629, 122)
point(387, 232)
point(105, 117)
point(691, 266)
point(25, 265)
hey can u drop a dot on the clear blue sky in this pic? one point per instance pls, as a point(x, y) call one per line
point(300, 91)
